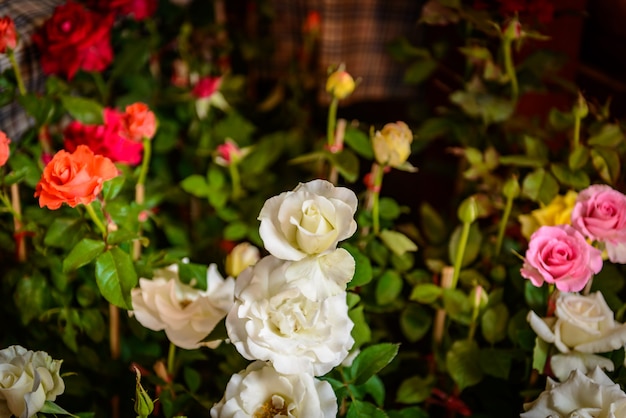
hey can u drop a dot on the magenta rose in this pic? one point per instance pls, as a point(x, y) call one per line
point(73, 39)
point(600, 214)
point(560, 255)
point(105, 139)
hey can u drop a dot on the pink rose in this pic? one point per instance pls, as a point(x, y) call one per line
point(206, 86)
point(104, 139)
point(560, 255)
point(600, 214)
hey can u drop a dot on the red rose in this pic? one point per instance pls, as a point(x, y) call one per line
point(138, 9)
point(8, 35)
point(74, 38)
point(104, 139)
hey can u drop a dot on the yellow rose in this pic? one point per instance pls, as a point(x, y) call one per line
point(340, 84)
point(392, 144)
point(557, 212)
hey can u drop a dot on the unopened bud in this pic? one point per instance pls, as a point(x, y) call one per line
point(340, 84)
point(143, 403)
point(392, 144)
point(513, 30)
point(468, 211)
point(241, 257)
point(580, 109)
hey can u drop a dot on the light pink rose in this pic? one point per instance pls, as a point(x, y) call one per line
point(560, 255)
point(600, 214)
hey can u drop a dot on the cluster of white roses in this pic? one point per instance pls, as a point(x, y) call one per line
point(290, 314)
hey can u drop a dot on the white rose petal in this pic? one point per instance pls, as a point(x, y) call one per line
point(592, 395)
point(309, 220)
point(186, 314)
point(27, 380)
point(261, 391)
point(563, 364)
point(616, 251)
point(277, 321)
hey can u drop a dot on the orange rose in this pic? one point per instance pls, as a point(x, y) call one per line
point(139, 122)
point(4, 148)
point(73, 178)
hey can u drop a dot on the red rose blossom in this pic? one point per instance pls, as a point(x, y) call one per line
point(74, 38)
point(8, 35)
point(138, 9)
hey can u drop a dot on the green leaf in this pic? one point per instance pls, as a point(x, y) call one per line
point(116, 276)
point(363, 268)
point(433, 225)
point(415, 321)
point(607, 164)
point(82, 254)
point(234, 126)
point(521, 161)
point(64, 233)
point(397, 241)
point(536, 297)
point(41, 108)
point(578, 158)
point(457, 305)
point(426, 293)
point(388, 287)
point(32, 295)
point(111, 188)
point(389, 208)
point(462, 363)
point(196, 185)
point(363, 409)
point(84, 110)
point(92, 322)
point(359, 141)
point(496, 362)
point(415, 389)
point(472, 249)
point(361, 331)
point(576, 179)
point(540, 186)
point(610, 136)
point(235, 231)
point(411, 412)
point(371, 360)
point(402, 49)
point(193, 379)
point(419, 71)
point(50, 407)
point(494, 323)
point(193, 274)
point(560, 120)
point(346, 162)
point(540, 355)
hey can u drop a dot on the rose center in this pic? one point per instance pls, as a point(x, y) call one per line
point(273, 407)
point(184, 303)
point(313, 220)
point(293, 316)
point(66, 26)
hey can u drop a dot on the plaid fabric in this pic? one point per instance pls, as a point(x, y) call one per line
point(353, 32)
point(28, 15)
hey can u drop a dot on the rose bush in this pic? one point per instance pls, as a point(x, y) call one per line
point(580, 327)
point(261, 391)
point(600, 214)
point(274, 320)
point(187, 314)
point(309, 220)
point(560, 255)
point(27, 380)
point(75, 38)
point(74, 178)
point(582, 395)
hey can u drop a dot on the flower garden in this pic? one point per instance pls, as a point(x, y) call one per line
point(175, 243)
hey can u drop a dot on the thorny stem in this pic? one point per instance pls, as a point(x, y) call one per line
point(16, 70)
point(171, 359)
point(96, 220)
point(460, 253)
point(378, 172)
point(510, 68)
point(502, 227)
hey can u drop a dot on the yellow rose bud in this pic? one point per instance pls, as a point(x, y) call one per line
point(241, 257)
point(392, 144)
point(557, 212)
point(340, 84)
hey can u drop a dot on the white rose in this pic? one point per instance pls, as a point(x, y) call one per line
point(260, 391)
point(591, 395)
point(275, 320)
point(186, 314)
point(582, 325)
point(309, 220)
point(27, 380)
